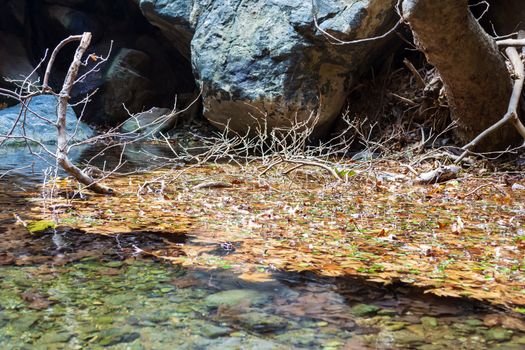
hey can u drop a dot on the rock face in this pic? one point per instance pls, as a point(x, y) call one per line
point(266, 60)
point(256, 61)
point(144, 70)
point(175, 19)
point(125, 83)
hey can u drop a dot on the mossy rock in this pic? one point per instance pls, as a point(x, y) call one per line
point(498, 334)
point(362, 310)
point(429, 322)
point(40, 226)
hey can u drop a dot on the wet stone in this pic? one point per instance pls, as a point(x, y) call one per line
point(405, 338)
point(463, 328)
point(235, 297)
point(157, 316)
point(24, 322)
point(115, 336)
point(120, 299)
point(387, 312)
point(416, 329)
point(299, 337)
point(394, 326)
point(114, 264)
point(54, 337)
point(429, 322)
point(474, 322)
point(333, 345)
point(498, 334)
point(362, 310)
point(213, 331)
point(262, 323)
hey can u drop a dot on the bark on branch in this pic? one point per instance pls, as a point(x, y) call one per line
point(473, 71)
point(63, 101)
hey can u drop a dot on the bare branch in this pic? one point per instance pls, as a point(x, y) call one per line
point(61, 153)
point(53, 57)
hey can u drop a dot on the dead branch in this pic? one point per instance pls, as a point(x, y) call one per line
point(212, 184)
point(61, 153)
point(512, 111)
point(511, 42)
point(336, 41)
point(57, 49)
point(419, 79)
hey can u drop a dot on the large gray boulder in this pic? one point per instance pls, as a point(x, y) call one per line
point(124, 84)
point(265, 61)
point(175, 19)
point(36, 128)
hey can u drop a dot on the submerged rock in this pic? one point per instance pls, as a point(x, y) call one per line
point(429, 322)
point(212, 331)
point(151, 121)
point(499, 334)
point(40, 225)
point(235, 297)
point(262, 322)
point(115, 336)
point(54, 338)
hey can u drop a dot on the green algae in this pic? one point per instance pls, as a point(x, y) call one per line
point(40, 226)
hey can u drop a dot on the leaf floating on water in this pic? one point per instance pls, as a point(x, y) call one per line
point(438, 238)
point(256, 277)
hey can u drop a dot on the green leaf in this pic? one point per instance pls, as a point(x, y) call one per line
point(521, 310)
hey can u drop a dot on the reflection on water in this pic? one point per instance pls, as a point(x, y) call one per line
point(28, 166)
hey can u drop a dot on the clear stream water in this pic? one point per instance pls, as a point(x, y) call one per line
point(67, 290)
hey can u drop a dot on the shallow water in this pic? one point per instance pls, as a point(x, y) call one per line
point(143, 304)
point(63, 289)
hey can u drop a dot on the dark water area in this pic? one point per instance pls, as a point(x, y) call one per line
point(65, 289)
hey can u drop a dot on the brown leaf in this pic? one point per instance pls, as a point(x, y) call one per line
point(505, 321)
point(7, 259)
point(36, 301)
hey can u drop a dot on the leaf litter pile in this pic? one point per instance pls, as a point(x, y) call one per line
point(462, 238)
